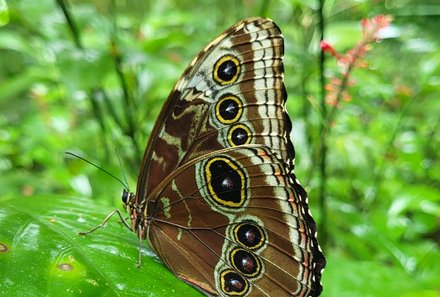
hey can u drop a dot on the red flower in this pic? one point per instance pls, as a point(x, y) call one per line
point(327, 48)
point(372, 27)
point(353, 57)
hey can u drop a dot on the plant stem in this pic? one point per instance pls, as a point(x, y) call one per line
point(323, 147)
point(70, 24)
point(129, 104)
point(92, 94)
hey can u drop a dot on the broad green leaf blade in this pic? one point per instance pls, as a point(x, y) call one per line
point(41, 253)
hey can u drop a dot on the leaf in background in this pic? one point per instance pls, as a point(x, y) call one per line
point(4, 13)
point(348, 277)
point(83, 69)
point(41, 253)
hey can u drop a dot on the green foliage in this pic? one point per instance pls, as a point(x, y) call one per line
point(94, 85)
point(46, 257)
point(4, 13)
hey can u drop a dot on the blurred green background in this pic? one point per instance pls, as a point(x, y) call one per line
point(90, 77)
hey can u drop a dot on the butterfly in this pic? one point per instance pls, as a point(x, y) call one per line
point(217, 197)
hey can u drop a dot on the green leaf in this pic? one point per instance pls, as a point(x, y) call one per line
point(41, 253)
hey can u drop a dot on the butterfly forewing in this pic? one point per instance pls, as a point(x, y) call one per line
point(217, 196)
point(213, 107)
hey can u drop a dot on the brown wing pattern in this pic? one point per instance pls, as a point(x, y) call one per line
point(194, 120)
point(217, 196)
point(195, 226)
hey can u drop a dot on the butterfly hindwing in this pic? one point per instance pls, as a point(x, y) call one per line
point(199, 225)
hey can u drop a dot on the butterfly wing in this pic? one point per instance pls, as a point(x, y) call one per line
point(232, 93)
point(232, 223)
point(231, 96)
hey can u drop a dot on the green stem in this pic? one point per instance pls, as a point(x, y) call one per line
point(129, 105)
point(128, 102)
point(92, 94)
point(323, 147)
point(70, 23)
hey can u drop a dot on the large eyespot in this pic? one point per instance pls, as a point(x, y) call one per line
point(233, 284)
point(226, 70)
point(249, 235)
point(226, 182)
point(246, 262)
point(228, 109)
point(239, 134)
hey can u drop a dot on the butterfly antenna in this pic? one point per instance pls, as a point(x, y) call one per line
point(100, 168)
point(122, 168)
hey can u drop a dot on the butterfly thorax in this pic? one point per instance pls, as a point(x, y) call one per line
point(136, 212)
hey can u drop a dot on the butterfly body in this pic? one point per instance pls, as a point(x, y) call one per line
point(217, 197)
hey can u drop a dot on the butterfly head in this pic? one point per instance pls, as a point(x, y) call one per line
point(134, 211)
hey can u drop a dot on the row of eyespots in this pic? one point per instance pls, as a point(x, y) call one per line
point(229, 107)
point(252, 237)
point(226, 182)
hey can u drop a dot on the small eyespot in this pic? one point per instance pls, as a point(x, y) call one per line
point(233, 284)
point(228, 109)
point(239, 134)
point(246, 262)
point(226, 70)
point(249, 235)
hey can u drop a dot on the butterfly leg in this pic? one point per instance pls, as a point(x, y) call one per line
point(139, 262)
point(116, 211)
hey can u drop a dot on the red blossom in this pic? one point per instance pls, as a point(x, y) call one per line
point(327, 48)
point(352, 58)
point(371, 27)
